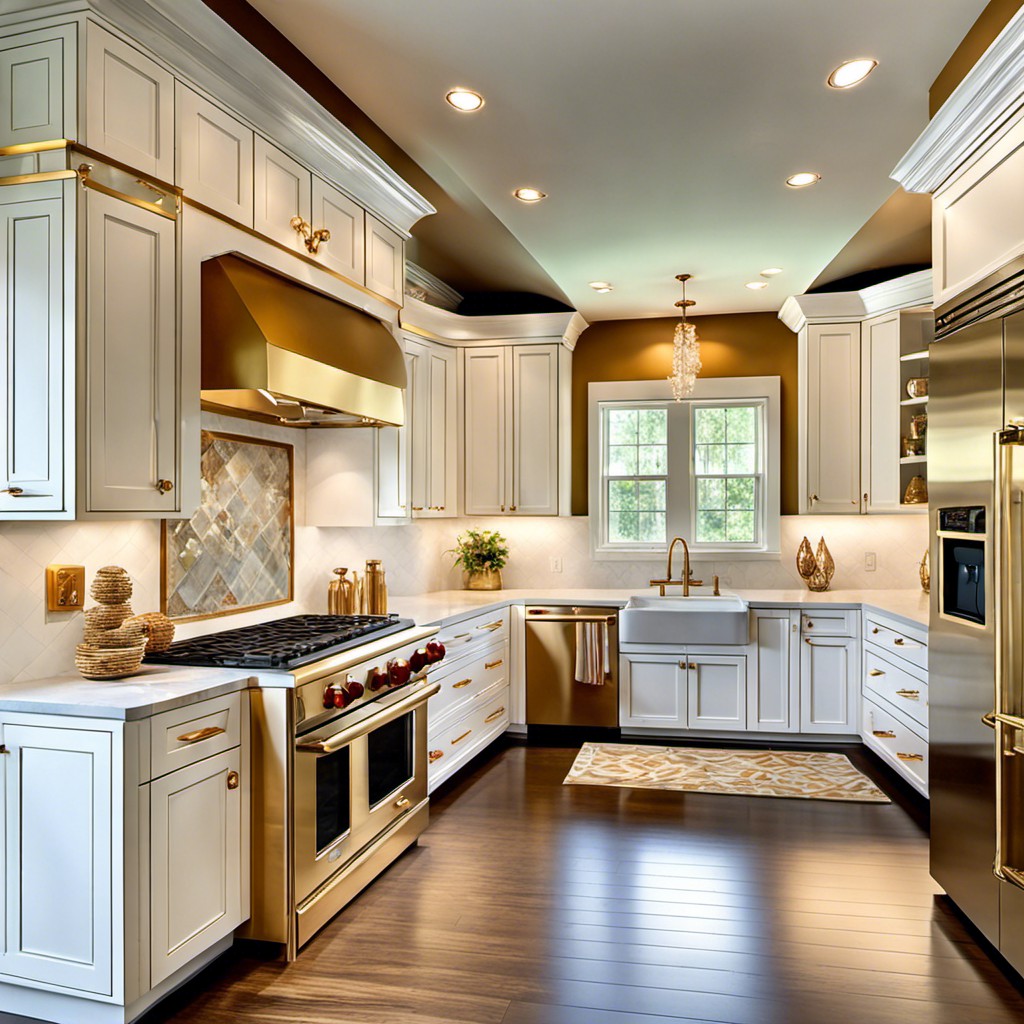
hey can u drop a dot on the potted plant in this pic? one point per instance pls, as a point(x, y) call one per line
point(482, 555)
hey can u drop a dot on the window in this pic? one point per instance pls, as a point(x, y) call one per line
point(705, 468)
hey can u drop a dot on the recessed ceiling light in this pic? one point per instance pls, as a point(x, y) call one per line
point(529, 195)
point(756, 286)
point(771, 271)
point(465, 100)
point(601, 286)
point(852, 72)
point(802, 179)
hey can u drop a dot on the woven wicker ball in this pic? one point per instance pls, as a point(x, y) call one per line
point(158, 629)
point(106, 616)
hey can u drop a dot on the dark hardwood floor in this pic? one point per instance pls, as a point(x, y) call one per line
point(530, 902)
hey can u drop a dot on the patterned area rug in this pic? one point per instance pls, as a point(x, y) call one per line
point(808, 775)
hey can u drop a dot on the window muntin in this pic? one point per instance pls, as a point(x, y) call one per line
point(635, 477)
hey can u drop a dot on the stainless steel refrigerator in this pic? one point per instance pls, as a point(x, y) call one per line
point(976, 630)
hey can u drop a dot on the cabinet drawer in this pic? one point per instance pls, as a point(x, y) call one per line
point(897, 744)
point(461, 637)
point(892, 640)
point(896, 685)
point(829, 623)
point(464, 679)
point(186, 735)
point(458, 740)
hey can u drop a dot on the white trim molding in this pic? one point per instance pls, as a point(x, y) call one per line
point(206, 52)
point(418, 279)
point(990, 94)
point(839, 307)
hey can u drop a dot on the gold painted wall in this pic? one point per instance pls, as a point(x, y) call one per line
point(731, 345)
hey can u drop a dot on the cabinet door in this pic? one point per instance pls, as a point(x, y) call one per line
point(282, 190)
point(385, 261)
point(773, 700)
point(214, 156)
point(394, 453)
point(36, 353)
point(652, 691)
point(39, 73)
point(345, 251)
point(437, 465)
point(197, 851)
point(485, 397)
point(880, 413)
point(716, 691)
point(129, 105)
point(533, 437)
point(58, 891)
point(832, 419)
point(829, 675)
point(129, 411)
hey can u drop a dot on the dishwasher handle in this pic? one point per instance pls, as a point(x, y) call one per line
point(608, 620)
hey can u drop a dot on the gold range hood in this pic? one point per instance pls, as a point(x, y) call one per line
point(276, 350)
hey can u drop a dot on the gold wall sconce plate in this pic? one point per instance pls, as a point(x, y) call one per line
point(65, 588)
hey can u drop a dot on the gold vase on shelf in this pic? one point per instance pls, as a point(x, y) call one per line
point(481, 579)
point(816, 569)
point(924, 572)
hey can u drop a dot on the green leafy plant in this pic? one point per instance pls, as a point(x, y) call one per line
point(480, 550)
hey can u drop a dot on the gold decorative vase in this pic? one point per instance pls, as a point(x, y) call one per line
point(481, 579)
point(925, 573)
point(816, 569)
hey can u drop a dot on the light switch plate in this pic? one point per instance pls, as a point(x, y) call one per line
point(65, 588)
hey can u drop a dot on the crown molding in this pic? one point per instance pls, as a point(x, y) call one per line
point(206, 52)
point(416, 277)
point(990, 94)
point(421, 318)
point(838, 307)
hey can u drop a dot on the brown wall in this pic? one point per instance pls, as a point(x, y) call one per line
point(731, 345)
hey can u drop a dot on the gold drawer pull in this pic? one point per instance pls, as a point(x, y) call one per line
point(14, 492)
point(233, 780)
point(989, 719)
point(492, 626)
point(876, 672)
point(909, 694)
point(494, 664)
point(459, 739)
point(435, 755)
point(899, 641)
point(909, 757)
point(875, 630)
point(495, 714)
point(883, 734)
point(808, 624)
point(402, 801)
point(201, 734)
point(461, 683)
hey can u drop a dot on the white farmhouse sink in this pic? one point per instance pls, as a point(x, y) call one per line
point(702, 619)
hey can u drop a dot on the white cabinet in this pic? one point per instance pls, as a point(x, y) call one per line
point(394, 452)
point(60, 876)
point(37, 361)
point(716, 691)
point(434, 421)
point(282, 190)
point(652, 691)
point(830, 421)
point(214, 156)
point(385, 261)
point(129, 104)
point(39, 72)
point(829, 670)
point(345, 251)
point(773, 703)
point(196, 860)
point(880, 413)
point(512, 435)
point(128, 412)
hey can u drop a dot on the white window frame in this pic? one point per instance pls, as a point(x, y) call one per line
point(682, 496)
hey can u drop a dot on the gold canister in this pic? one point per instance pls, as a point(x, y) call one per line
point(375, 588)
point(341, 595)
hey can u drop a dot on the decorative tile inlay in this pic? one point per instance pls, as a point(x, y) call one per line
point(235, 553)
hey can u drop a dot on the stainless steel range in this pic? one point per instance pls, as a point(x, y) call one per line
point(339, 753)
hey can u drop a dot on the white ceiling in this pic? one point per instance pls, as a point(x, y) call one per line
point(662, 130)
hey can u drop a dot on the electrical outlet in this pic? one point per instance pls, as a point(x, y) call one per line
point(556, 565)
point(870, 561)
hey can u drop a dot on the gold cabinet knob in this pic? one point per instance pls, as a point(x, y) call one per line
point(233, 780)
point(14, 492)
point(402, 801)
point(164, 486)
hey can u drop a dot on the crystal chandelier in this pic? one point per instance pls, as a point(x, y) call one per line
point(685, 349)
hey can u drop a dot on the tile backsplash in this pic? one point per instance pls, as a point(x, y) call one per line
point(35, 643)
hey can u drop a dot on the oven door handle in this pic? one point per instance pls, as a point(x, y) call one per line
point(340, 739)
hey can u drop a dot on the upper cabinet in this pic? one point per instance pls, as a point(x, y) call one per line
point(129, 102)
point(39, 72)
point(283, 191)
point(385, 261)
point(863, 367)
point(345, 251)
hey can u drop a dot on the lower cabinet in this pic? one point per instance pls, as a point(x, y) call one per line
point(829, 669)
point(773, 701)
point(117, 879)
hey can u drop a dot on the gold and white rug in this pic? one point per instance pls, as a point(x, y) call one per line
point(808, 775)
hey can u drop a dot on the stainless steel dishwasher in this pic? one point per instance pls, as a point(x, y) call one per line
point(555, 695)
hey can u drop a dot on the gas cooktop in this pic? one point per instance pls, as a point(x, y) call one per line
point(283, 643)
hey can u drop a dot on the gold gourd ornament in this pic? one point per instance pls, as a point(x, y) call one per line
point(816, 569)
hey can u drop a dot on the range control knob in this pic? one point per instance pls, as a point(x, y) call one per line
point(377, 679)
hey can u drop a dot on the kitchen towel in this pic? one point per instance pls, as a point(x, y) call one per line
point(593, 664)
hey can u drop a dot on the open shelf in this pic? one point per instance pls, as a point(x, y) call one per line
point(914, 356)
point(913, 460)
point(922, 400)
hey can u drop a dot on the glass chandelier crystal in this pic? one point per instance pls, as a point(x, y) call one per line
point(685, 349)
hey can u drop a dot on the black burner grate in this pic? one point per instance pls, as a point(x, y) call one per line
point(283, 643)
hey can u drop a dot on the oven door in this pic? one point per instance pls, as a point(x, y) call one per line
point(352, 783)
